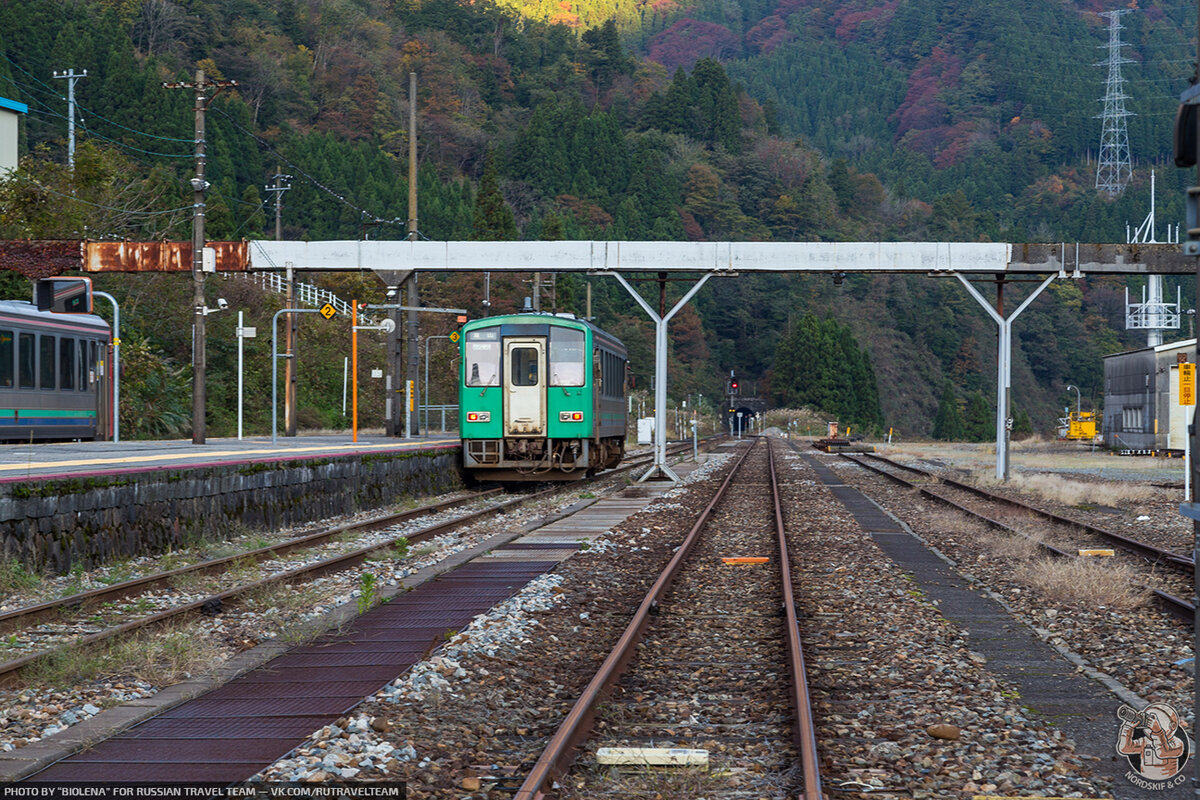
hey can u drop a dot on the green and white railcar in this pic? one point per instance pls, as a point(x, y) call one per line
point(541, 397)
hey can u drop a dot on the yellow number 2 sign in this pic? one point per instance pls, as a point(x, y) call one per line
point(1187, 384)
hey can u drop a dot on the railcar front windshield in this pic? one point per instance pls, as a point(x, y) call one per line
point(482, 357)
point(567, 354)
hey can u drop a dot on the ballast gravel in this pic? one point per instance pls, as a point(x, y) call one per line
point(35, 710)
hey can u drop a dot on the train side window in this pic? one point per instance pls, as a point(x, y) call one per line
point(46, 365)
point(82, 381)
point(27, 361)
point(6, 358)
point(66, 364)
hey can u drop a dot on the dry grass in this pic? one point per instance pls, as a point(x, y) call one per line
point(646, 783)
point(981, 536)
point(160, 657)
point(1072, 493)
point(1083, 583)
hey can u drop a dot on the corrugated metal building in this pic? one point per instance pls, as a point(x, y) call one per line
point(10, 128)
point(1141, 397)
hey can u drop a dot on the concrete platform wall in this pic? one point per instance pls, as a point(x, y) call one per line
point(53, 524)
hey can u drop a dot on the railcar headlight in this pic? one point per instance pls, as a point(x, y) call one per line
point(479, 416)
point(570, 416)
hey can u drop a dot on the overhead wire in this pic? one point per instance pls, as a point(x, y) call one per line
point(292, 165)
point(42, 187)
point(84, 108)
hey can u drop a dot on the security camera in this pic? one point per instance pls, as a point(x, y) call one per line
point(222, 304)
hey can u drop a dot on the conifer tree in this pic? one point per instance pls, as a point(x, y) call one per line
point(948, 422)
point(493, 219)
point(979, 419)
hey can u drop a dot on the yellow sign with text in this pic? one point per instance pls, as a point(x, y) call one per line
point(1187, 384)
point(328, 311)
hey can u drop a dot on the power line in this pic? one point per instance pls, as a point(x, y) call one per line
point(84, 108)
point(307, 176)
point(42, 187)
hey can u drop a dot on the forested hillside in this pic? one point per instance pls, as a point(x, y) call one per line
point(768, 120)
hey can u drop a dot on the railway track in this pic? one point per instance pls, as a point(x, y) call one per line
point(704, 659)
point(84, 619)
point(1012, 516)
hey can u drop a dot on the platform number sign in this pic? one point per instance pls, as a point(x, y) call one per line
point(1187, 384)
point(328, 311)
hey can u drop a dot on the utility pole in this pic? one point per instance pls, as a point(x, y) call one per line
point(202, 87)
point(1113, 168)
point(291, 330)
point(71, 76)
point(414, 298)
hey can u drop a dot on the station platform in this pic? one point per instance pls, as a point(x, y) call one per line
point(37, 461)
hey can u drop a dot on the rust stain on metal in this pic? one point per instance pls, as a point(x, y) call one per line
point(161, 256)
point(35, 258)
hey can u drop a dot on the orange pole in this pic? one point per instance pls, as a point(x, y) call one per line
point(354, 366)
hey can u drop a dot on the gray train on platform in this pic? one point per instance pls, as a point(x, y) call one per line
point(55, 381)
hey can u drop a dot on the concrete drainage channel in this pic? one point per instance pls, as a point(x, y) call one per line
point(1049, 682)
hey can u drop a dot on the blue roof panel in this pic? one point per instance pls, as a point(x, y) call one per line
point(13, 105)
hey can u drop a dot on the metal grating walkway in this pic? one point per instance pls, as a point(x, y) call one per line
point(233, 732)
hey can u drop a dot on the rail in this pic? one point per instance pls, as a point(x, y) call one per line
point(805, 731)
point(574, 730)
point(1180, 608)
point(10, 670)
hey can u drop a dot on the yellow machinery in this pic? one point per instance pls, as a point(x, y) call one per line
point(1081, 426)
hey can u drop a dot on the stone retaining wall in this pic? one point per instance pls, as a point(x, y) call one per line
point(51, 525)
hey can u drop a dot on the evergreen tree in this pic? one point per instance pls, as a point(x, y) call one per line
point(948, 422)
point(493, 219)
point(979, 426)
point(1022, 424)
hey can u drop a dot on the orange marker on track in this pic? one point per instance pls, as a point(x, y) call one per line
point(746, 560)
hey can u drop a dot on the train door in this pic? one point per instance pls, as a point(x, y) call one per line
point(525, 387)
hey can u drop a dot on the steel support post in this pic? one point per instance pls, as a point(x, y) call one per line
point(1003, 368)
point(116, 365)
point(275, 356)
point(660, 470)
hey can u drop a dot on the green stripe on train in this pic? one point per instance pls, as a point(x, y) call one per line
point(11, 413)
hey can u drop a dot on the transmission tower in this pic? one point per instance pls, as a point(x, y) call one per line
point(1114, 168)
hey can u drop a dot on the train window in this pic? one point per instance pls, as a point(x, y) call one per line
point(81, 379)
point(482, 357)
point(27, 361)
point(566, 357)
point(6, 358)
point(46, 362)
point(524, 366)
point(66, 363)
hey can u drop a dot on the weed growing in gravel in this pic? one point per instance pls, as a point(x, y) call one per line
point(676, 783)
point(397, 552)
point(14, 577)
point(160, 657)
point(1073, 493)
point(368, 592)
point(1083, 583)
point(74, 584)
point(256, 543)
